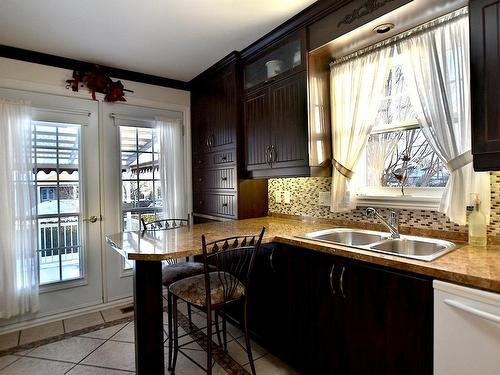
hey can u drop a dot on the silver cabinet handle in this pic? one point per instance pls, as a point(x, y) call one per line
point(271, 262)
point(341, 282)
point(331, 279)
point(268, 155)
point(472, 310)
point(274, 154)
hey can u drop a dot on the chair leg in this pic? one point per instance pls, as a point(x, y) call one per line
point(209, 341)
point(170, 324)
point(247, 339)
point(176, 333)
point(217, 329)
point(224, 329)
point(189, 316)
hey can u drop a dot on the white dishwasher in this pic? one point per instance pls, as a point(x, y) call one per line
point(466, 331)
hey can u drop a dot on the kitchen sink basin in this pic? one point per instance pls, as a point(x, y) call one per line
point(415, 247)
point(347, 236)
point(421, 248)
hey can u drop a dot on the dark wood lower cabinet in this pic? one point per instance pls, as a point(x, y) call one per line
point(325, 314)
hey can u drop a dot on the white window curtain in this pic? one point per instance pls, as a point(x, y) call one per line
point(171, 165)
point(437, 68)
point(356, 86)
point(18, 257)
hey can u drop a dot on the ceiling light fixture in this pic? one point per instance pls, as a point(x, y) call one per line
point(384, 28)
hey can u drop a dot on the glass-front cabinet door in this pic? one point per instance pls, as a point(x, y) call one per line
point(277, 61)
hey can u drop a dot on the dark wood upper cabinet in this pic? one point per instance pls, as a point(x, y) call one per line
point(215, 111)
point(257, 130)
point(484, 21)
point(275, 110)
point(220, 192)
point(289, 136)
point(276, 133)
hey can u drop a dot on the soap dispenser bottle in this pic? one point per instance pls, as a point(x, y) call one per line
point(477, 222)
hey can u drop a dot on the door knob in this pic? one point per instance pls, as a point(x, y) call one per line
point(91, 219)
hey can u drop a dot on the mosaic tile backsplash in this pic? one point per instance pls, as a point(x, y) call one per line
point(304, 202)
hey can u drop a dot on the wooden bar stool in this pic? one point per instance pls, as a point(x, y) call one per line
point(212, 291)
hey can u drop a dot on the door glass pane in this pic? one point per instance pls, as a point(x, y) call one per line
point(140, 177)
point(56, 158)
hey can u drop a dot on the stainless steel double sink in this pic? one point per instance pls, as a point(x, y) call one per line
point(421, 248)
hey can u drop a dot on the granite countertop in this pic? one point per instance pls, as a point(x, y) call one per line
point(477, 267)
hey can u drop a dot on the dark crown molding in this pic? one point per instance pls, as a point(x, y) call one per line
point(71, 64)
point(309, 15)
point(230, 58)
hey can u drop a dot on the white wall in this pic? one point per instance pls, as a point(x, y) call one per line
point(35, 77)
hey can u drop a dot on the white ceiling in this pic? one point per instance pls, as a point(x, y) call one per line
point(170, 38)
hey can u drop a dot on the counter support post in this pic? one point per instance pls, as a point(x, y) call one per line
point(148, 317)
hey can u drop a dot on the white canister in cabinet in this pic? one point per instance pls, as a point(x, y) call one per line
point(274, 67)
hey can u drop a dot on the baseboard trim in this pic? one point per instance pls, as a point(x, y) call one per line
point(63, 315)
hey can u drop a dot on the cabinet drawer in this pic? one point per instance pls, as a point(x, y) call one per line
point(215, 159)
point(215, 204)
point(224, 179)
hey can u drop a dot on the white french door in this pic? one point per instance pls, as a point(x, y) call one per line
point(130, 156)
point(66, 175)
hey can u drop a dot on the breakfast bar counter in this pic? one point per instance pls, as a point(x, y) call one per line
point(477, 267)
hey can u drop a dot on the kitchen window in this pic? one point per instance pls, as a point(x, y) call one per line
point(398, 163)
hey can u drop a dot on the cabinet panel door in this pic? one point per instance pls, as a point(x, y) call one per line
point(267, 298)
point(223, 110)
point(302, 309)
point(388, 320)
point(328, 318)
point(289, 122)
point(199, 120)
point(257, 130)
point(484, 20)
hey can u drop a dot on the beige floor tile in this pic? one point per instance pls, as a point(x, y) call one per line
point(270, 365)
point(83, 321)
point(73, 349)
point(185, 367)
point(125, 334)
point(182, 307)
point(113, 354)
point(234, 331)
point(36, 366)
point(105, 333)
point(237, 351)
point(41, 332)
point(89, 370)
point(199, 321)
point(24, 352)
point(115, 313)
point(7, 360)
point(9, 340)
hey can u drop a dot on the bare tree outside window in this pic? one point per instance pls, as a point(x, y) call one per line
point(407, 159)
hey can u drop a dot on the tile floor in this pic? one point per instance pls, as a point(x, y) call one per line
point(110, 350)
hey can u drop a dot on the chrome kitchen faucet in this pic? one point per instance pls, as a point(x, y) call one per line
point(392, 224)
